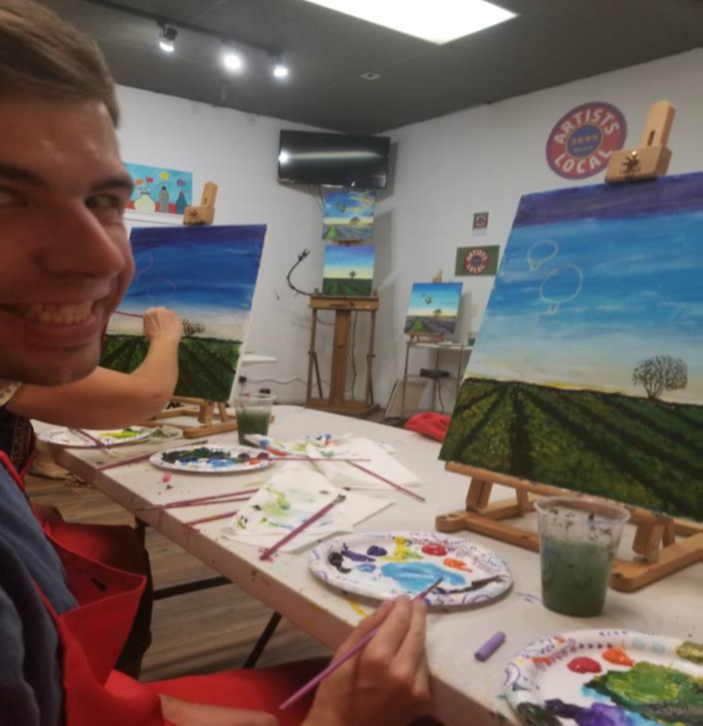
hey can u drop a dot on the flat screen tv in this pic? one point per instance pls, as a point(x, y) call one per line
point(337, 160)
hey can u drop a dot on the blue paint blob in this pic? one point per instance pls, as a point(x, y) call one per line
point(375, 551)
point(416, 576)
point(366, 568)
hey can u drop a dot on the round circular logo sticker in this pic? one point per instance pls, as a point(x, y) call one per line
point(476, 261)
point(582, 140)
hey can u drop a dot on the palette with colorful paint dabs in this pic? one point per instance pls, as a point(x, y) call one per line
point(88, 438)
point(202, 459)
point(385, 565)
point(608, 678)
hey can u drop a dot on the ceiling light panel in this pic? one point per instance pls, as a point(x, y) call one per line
point(439, 21)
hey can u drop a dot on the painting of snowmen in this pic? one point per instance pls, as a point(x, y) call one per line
point(587, 373)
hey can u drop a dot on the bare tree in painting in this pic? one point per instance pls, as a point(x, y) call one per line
point(661, 373)
point(191, 328)
point(437, 312)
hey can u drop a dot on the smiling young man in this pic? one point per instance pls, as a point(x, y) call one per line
point(65, 263)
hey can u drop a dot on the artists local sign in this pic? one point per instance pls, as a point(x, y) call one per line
point(582, 140)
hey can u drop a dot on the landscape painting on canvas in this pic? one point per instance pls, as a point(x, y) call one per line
point(434, 307)
point(588, 369)
point(348, 270)
point(208, 276)
point(349, 214)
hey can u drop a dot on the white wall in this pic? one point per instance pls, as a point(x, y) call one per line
point(445, 170)
point(239, 152)
point(484, 159)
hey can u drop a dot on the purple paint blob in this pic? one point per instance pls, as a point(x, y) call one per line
point(375, 551)
point(355, 556)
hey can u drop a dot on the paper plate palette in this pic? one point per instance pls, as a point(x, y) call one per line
point(209, 459)
point(608, 678)
point(109, 437)
point(385, 565)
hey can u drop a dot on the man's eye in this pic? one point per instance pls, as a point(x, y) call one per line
point(104, 201)
point(10, 198)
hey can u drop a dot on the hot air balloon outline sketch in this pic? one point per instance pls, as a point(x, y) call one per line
point(541, 252)
point(561, 285)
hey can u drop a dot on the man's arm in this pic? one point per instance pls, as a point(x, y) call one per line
point(107, 399)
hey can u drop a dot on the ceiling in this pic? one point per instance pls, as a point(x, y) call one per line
point(551, 42)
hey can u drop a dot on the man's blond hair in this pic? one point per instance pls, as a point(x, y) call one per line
point(40, 54)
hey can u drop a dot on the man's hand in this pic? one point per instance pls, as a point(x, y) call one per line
point(182, 713)
point(162, 323)
point(388, 681)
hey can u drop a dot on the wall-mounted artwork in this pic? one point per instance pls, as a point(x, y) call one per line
point(434, 307)
point(477, 260)
point(588, 373)
point(162, 191)
point(348, 269)
point(348, 214)
point(208, 276)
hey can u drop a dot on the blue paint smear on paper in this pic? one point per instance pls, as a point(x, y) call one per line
point(417, 576)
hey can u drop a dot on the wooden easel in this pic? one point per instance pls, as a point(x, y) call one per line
point(655, 544)
point(205, 411)
point(337, 401)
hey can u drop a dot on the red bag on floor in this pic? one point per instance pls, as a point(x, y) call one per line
point(432, 425)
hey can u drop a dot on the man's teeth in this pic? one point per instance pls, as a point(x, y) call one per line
point(56, 314)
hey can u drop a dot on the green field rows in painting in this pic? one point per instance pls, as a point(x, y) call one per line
point(346, 286)
point(206, 366)
point(635, 450)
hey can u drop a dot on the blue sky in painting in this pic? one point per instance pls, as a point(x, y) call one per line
point(444, 295)
point(340, 260)
point(342, 205)
point(204, 273)
point(581, 300)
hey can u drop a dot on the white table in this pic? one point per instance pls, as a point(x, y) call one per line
point(464, 690)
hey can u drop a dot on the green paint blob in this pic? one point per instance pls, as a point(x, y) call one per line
point(535, 715)
point(656, 692)
point(691, 651)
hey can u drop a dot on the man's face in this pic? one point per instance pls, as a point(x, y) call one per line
point(65, 259)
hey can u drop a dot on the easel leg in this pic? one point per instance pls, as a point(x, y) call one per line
point(312, 358)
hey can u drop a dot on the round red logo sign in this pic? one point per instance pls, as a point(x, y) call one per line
point(582, 141)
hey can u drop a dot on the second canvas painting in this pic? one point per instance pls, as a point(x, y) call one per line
point(434, 308)
point(348, 270)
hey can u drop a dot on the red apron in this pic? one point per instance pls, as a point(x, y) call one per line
point(92, 636)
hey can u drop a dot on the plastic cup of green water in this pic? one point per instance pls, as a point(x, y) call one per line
point(578, 541)
point(253, 414)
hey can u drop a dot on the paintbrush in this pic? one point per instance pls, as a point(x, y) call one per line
point(388, 481)
point(212, 518)
point(83, 434)
point(214, 499)
point(266, 554)
point(129, 315)
point(135, 459)
point(332, 667)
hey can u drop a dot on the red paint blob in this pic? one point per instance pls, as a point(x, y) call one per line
point(584, 665)
point(434, 549)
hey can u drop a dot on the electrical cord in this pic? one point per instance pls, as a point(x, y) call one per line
point(439, 395)
point(302, 256)
point(353, 358)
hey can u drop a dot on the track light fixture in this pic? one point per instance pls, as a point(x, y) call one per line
point(280, 69)
point(232, 58)
point(167, 38)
